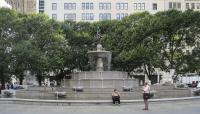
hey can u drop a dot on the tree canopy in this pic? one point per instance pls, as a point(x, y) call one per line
point(33, 42)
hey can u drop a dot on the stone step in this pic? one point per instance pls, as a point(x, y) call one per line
point(153, 87)
point(100, 95)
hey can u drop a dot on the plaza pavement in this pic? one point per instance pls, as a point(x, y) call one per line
point(163, 107)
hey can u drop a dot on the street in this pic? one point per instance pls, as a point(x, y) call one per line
point(173, 107)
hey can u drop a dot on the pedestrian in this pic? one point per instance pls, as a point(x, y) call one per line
point(8, 86)
point(115, 96)
point(0, 87)
point(146, 95)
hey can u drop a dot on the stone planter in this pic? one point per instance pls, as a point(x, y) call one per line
point(8, 93)
point(196, 92)
point(60, 94)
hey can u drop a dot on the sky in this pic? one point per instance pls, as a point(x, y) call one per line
point(4, 4)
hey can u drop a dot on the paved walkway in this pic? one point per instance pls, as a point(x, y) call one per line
point(173, 107)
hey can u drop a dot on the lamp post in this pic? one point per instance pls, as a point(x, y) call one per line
point(158, 74)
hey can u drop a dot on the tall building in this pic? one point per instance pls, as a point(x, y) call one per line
point(97, 10)
point(23, 6)
point(40, 6)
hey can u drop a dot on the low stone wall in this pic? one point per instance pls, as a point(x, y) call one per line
point(81, 102)
point(100, 94)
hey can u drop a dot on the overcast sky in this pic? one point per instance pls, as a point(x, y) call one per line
point(3, 3)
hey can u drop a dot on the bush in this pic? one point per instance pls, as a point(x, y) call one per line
point(196, 92)
point(7, 93)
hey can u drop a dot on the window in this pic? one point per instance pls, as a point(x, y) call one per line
point(139, 6)
point(87, 6)
point(101, 6)
point(54, 6)
point(122, 6)
point(125, 5)
point(54, 16)
point(118, 6)
point(120, 16)
point(104, 16)
point(154, 6)
point(87, 16)
point(91, 6)
point(192, 6)
point(198, 5)
point(83, 6)
point(174, 5)
point(70, 6)
point(70, 16)
point(135, 6)
point(179, 5)
point(104, 6)
point(187, 5)
point(170, 5)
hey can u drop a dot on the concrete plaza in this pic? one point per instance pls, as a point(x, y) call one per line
point(167, 107)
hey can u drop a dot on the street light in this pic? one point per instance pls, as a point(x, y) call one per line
point(158, 74)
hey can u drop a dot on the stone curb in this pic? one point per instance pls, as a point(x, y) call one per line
point(81, 102)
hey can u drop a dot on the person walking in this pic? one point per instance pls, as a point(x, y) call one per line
point(115, 96)
point(146, 95)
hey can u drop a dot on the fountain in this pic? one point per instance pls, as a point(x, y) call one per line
point(100, 77)
point(98, 83)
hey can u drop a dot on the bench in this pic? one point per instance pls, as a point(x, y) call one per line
point(78, 89)
point(60, 94)
point(126, 88)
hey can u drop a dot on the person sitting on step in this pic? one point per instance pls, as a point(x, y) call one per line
point(115, 96)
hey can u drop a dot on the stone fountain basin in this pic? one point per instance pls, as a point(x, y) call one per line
point(102, 83)
point(100, 75)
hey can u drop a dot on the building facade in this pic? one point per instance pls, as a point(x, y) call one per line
point(97, 10)
point(23, 6)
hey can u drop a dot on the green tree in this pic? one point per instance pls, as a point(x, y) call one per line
point(80, 40)
point(48, 45)
point(8, 20)
point(177, 30)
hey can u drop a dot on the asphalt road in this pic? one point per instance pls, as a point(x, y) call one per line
point(174, 107)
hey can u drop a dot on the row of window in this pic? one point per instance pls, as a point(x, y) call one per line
point(177, 5)
point(120, 6)
point(90, 16)
point(90, 6)
point(41, 5)
point(192, 5)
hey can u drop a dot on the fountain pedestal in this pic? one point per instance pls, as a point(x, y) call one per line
point(99, 66)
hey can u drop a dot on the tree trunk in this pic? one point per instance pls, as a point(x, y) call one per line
point(2, 80)
point(39, 79)
point(21, 81)
point(60, 77)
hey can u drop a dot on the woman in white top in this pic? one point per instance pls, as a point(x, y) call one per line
point(116, 96)
point(146, 91)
